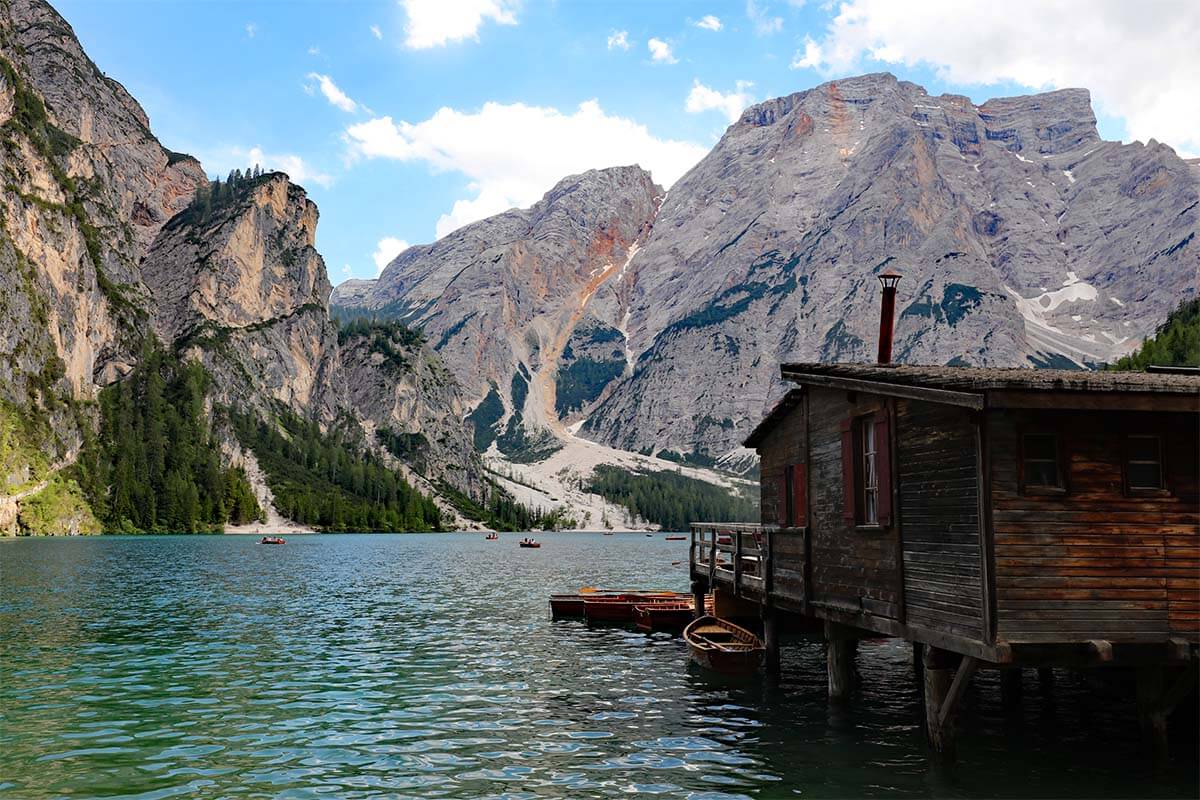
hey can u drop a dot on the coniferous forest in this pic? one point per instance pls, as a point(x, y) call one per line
point(330, 480)
point(671, 499)
point(1176, 343)
point(154, 466)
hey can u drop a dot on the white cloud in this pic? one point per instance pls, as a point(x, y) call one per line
point(346, 270)
point(333, 94)
point(810, 58)
point(251, 29)
point(701, 98)
point(314, 50)
point(1138, 59)
point(296, 168)
point(660, 51)
point(388, 248)
point(709, 23)
point(436, 23)
point(618, 39)
point(378, 34)
point(513, 153)
point(764, 23)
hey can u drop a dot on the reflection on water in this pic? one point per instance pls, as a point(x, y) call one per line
point(427, 666)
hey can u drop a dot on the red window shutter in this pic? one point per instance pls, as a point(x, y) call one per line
point(799, 496)
point(781, 500)
point(883, 465)
point(849, 494)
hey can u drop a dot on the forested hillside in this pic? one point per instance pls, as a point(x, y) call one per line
point(154, 467)
point(671, 499)
point(1176, 343)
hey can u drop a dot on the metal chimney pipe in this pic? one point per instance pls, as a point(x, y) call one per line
point(887, 315)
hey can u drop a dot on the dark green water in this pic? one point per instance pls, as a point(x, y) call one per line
point(427, 666)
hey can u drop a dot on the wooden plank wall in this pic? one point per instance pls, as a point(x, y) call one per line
point(852, 567)
point(784, 446)
point(1095, 563)
point(939, 511)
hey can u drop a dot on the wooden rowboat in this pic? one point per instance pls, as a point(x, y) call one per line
point(676, 538)
point(721, 646)
point(529, 543)
point(272, 540)
point(620, 608)
point(671, 616)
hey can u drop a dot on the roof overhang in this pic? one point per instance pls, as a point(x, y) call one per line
point(964, 399)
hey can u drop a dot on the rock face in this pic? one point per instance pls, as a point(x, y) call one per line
point(87, 187)
point(500, 299)
point(245, 292)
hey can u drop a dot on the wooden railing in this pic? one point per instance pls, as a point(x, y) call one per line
point(734, 553)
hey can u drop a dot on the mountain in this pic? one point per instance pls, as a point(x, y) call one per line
point(511, 302)
point(127, 269)
point(1023, 238)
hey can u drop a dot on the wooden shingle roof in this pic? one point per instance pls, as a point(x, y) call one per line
point(980, 387)
point(979, 379)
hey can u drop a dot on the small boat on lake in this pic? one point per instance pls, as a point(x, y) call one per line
point(721, 646)
point(529, 543)
point(608, 533)
point(676, 538)
point(619, 608)
point(672, 616)
point(272, 540)
point(491, 537)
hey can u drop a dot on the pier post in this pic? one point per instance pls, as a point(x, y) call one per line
point(770, 623)
point(698, 593)
point(1151, 713)
point(939, 675)
point(1010, 688)
point(841, 646)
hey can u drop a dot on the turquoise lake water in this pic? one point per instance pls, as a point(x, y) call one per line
point(379, 666)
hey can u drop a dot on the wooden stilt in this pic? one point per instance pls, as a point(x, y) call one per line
point(840, 651)
point(940, 694)
point(918, 665)
point(1010, 688)
point(698, 592)
point(770, 623)
point(1151, 712)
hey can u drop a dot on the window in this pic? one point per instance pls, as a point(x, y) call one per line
point(867, 470)
point(1040, 461)
point(870, 473)
point(1143, 463)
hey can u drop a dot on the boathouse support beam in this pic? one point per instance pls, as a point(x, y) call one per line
point(841, 644)
point(944, 688)
point(699, 590)
point(770, 624)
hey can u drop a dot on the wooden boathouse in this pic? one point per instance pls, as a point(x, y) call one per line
point(995, 518)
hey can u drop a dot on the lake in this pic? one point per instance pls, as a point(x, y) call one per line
point(355, 666)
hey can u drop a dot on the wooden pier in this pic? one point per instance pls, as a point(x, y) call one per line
point(995, 519)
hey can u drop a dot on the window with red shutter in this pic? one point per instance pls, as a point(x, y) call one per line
point(883, 469)
point(799, 517)
point(849, 490)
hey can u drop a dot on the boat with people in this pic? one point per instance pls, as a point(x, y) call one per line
point(721, 646)
point(272, 540)
point(491, 537)
point(527, 542)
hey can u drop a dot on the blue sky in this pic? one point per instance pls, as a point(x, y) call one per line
point(405, 119)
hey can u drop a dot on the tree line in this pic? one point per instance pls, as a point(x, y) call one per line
point(671, 499)
point(1176, 343)
point(331, 480)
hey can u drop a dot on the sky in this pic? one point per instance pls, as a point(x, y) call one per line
point(405, 119)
